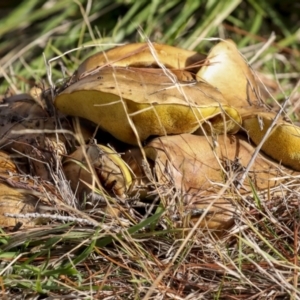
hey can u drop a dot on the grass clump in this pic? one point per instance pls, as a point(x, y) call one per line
point(149, 258)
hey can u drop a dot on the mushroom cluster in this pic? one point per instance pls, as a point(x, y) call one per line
point(182, 130)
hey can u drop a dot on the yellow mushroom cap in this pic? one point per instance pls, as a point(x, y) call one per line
point(131, 103)
point(283, 143)
point(227, 70)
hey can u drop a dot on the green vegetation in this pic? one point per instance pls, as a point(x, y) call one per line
point(256, 259)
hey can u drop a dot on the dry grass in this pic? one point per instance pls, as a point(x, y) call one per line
point(90, 255)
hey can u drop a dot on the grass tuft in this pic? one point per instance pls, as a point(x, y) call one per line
point(150, 258)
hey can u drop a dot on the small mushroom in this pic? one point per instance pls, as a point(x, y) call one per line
point(283, 142)
point(89, 165)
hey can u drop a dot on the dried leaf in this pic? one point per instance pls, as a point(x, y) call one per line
point(12, 200)
point(27, 129)
point(6, 164)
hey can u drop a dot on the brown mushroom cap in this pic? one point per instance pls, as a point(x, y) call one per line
point(129, 102)
point(227, 70)
point(85, 163)
point(141, 55)
point(204, 172)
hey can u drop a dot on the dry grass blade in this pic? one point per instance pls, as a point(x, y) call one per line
point(142, 253)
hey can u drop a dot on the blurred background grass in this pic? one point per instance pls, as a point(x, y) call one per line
point(31, 28)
